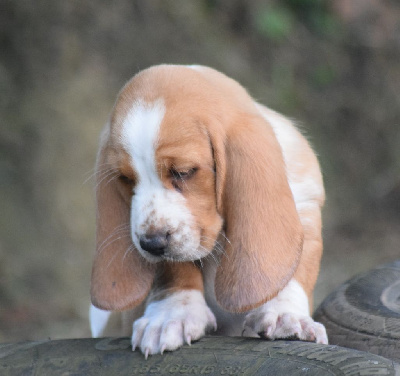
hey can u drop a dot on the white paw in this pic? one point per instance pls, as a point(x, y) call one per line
point(273, 325)
point(285, 316)
point(167, 324)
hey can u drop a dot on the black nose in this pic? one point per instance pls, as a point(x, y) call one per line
point(155, 243)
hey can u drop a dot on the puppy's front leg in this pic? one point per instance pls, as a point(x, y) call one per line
point(176, 311)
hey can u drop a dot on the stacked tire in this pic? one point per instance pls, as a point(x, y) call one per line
point(364, 313)
point(209, 356)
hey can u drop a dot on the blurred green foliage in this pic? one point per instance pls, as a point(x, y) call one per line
point(275, 20)
point(324, 75)
point(316, 14)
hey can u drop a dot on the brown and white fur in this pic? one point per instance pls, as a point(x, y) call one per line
point(208, 214)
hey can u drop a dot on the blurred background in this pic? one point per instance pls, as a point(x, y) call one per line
point(332, 65)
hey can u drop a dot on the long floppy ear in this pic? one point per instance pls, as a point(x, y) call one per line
point(262, 227)
point(121, 278)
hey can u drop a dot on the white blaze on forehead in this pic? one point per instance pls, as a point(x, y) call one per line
point(139, 137)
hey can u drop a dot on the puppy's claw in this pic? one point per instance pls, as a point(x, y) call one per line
point(269, 331)
point(164, 329)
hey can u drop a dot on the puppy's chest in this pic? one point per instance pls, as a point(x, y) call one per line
point(230, 324)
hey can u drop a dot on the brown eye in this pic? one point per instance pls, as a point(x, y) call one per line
point(180, 177)
point(183, 174)
point(124, 179)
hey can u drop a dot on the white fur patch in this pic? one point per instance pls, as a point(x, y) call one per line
point(139, 137)
point(154, 206)
point(308, 189)
point(98, 320)
point(169, 323)
point(287, 315)
point(165, 210)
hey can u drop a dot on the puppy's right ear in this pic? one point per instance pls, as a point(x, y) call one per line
point(121, 278)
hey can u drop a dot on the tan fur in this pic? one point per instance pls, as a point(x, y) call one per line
point(301, 164)
point(308, 269)
point(241, 187)
point(174, 277)
point(261, 220)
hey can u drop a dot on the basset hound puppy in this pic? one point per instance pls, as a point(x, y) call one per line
point(208, 214)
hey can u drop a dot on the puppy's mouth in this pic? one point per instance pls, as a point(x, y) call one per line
point(165, 247)
point(173, 256)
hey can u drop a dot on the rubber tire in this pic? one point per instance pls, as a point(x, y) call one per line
point(364, 313)
point(209, 356)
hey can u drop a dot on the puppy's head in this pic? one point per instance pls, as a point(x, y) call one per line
point(186, 155)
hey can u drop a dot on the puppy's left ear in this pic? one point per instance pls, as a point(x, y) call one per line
point(262, 226)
